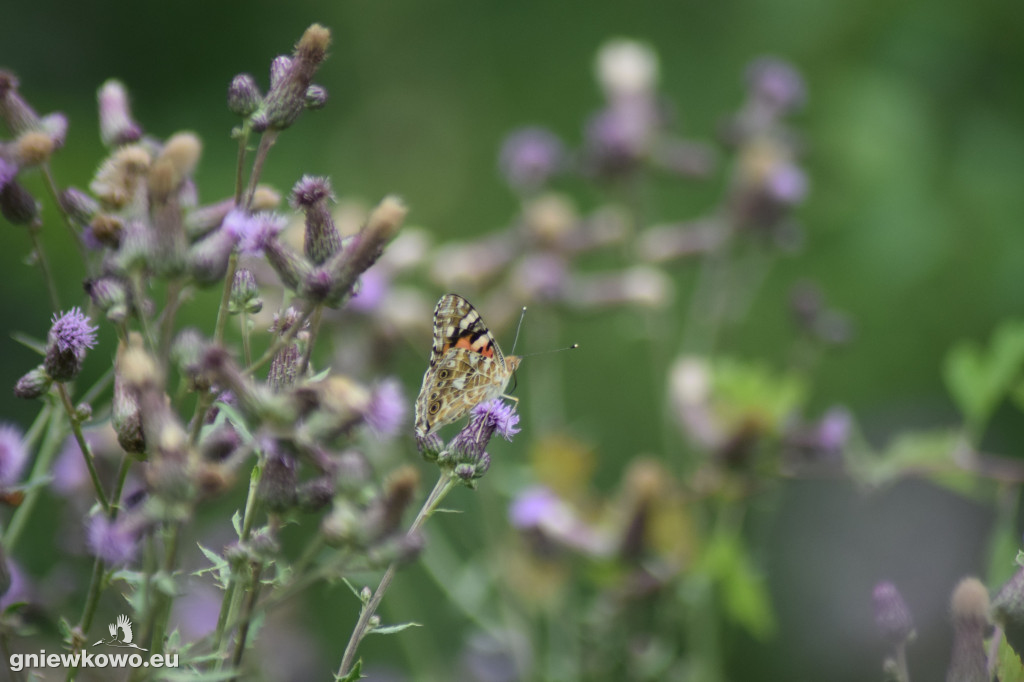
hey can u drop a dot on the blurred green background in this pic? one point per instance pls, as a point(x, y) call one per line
point(915, 152)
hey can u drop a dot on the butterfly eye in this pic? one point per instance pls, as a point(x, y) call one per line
point(435, 407)
point(443, 374)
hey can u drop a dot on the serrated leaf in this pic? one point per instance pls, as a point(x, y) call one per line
point(1008, 665)
point(980, 378)
point(743, 592)
point(218, 564)
point(320, 376)
point(164, 583)
point(236, 523)
point(352, 587)
point(186, 675)
point(392, 629)
point(355, 674)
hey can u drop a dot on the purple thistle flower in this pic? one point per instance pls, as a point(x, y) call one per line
point(387, 409)
point(373, 287)
point(244, 95)
point(309, 191)
point(891, 613)
point(776, 83)
point(466, 452)
point(116, 124)
point(69, 338)
point(787, 184)
point(13, 455)
point(116, 542)
point(529, 157)
point(532, 506)
point(501, 415)
point(253, 232)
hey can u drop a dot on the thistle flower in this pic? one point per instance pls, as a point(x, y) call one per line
point(8, 169)
point(290, 79)
point(110, 295)
point(529, 157)
point(311, 195)
point(13, 455)
point(69, 338)
point(466, 451)
point(79, 206)
point(244, 95)
point(208, 257)
point(245, 294)
point(34, 147)
point(116, 124)
point(387, 409)
point(776, 85)
point(14, 110)
point(115, 542)
point(119, 182)
point(316, 97)
point(253, 231)
point(970, 606)
point(626, 68)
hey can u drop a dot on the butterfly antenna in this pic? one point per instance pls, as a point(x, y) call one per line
point(556, 350)
point(518, 327)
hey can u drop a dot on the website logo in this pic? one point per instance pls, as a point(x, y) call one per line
point(120, 634)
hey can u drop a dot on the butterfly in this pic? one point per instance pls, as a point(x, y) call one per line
point(466, 366)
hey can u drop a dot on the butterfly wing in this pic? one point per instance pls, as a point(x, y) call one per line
point(466, 366)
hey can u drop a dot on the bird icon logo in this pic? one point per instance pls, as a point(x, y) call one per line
point(121, 634)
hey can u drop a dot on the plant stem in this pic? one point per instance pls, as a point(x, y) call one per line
point(76, 429)
point(243, 143)
point(51, 186)
point(278, 344)
point(267, 141)
point(47, 451)
point(314, 327)
point(44, 266)
point(445, 482)
point(225, 299)
point(248, 608)
point(243, 318)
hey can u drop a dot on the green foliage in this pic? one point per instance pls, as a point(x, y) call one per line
point(979, 378)
point(742, 588)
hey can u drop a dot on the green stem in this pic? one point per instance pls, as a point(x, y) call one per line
point(225, 300)
point(243, 319)
point(250, 604)
point(44, 266)
point(174, 290)
point(314, 328)
point(47, 452)
point(243, 143)
point(445, 482)
point(279, 343)
point(267, 141)
point(162, 613)
point(76, 429)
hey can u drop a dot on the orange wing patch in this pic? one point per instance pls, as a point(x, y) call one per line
point(482, 345)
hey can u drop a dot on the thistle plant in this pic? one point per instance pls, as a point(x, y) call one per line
point(286, 407)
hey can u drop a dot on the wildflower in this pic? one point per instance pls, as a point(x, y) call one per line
point(891, 613)
point(119, 181)
point(970, 606)
point(115, 542)
point(290, 79)
point(33, 384)
point(116, 124)
point(175, 162)
point(244, 95)
point(776, 84)
point(110, 295)
point(245, 295)
point(466, 451)
point(387, 408)
point(69, 338)
point(626, 68)
point(253, 231)
point(529, 157)
point(311, 195)
point(8, 169)
point(13, 455)
point(17, 204)
point(14, 110)
point(316, 97)
point(33, 147)
point(79, 206)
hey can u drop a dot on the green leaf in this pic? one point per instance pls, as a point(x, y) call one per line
point(236, 419)
point(392, 629)
point(1008, 665)
point(355, 674)
point(236, 522)
point(219, 565)
point(746, 392)
point(979, 379)
point(30, 342)
point(744, 595)
point(352, 587)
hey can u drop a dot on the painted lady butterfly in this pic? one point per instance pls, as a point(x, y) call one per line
point(466, 366)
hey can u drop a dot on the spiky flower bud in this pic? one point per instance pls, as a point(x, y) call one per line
point(120, 180)
point(970, 607)
point(79, 206)
point(14, 110)
point(429, 446)
point(34, 384)
point(116, 124)
point(466, 451)
point(17, 205)
point(110, 295)
point(316, 97)
point(290, 80)
point(891, 613)
point(278, 484)
point(106, 229)
point(69, 338)
point(176, 162)
point(311, 195)
point(245, 294)
point(244, 95)
point(208, 257)
point(316, 494)
point(279, 68)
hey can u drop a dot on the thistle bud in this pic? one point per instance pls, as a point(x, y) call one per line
point(970, 606)
point(244, 95)
point(116, 124)
point(33, 147)
point(316, 97)
point(278, 483)
point(365, 248)
point(79, 206)
point(245, 294)
point(14, 110)
point(110, 295)
point(208, 258)
point(290, 79)
point(33, 385)
point(69, 338)
point(107, 229)
point(17, 205)
point(176, 161)
point(891, 614)
point(311, 195)
point(316, 494)
point(119, 181)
